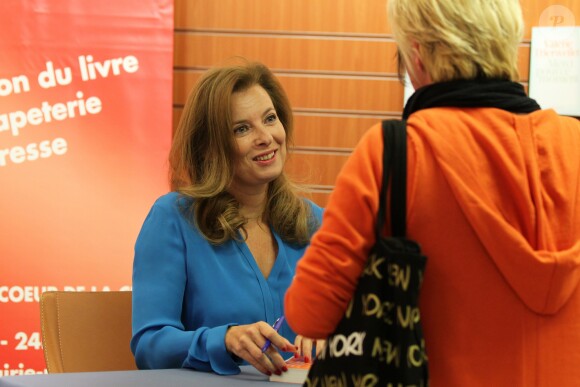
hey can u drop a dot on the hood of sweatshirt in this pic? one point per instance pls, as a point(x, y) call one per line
point(529, 221)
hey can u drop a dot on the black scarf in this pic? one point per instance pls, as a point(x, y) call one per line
point(500, 94)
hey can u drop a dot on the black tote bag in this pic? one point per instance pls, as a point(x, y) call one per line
point(379, 340)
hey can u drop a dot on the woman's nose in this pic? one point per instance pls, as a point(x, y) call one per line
point(263, 135)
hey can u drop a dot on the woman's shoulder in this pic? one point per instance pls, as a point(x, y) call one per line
point(316, 209)
point(172, 202)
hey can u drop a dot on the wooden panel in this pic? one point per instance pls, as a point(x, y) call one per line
point(323, 16)
point(376, 57)
point(331, 131)
point(524, 63)
point(320, 198)
point(380, 95)
point(288, 53)
point(368, 94)
point(176, 116)
point(319, 169)
point(316, 16)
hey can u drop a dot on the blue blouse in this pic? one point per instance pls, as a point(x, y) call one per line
point(187, 292)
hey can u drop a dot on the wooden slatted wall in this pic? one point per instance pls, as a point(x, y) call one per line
point(335, 59)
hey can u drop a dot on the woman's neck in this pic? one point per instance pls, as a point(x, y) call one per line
point(252, 204)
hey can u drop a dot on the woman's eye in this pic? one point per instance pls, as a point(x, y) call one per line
point(240, 129)
point(271, 118)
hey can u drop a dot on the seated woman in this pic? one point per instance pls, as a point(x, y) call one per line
point(215, 256)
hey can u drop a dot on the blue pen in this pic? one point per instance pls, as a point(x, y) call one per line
point(276, 327)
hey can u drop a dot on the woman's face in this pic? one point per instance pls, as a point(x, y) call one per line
point(260, 139)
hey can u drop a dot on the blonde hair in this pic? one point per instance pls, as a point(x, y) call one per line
point(460, 39)
point(202, 166)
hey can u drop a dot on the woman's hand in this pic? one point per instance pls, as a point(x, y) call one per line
point(305, 345)
point(246, 342)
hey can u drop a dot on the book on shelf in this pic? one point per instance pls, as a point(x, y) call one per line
point(297, 371)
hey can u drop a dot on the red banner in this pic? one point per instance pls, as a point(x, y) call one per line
point(85, 127)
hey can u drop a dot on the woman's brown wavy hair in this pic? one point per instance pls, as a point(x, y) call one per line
point(202, 163)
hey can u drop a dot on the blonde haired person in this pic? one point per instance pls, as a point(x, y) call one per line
point(215, 256)
point(493, 197)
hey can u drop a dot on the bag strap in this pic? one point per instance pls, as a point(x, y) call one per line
point(395, 162)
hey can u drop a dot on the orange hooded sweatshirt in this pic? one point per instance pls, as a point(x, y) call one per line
point(493, 198)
